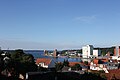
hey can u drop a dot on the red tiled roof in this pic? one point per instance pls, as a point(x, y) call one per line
point(104, 60)
point(114, 71)
point(95, 61)
point(115, 61)
point(73, 63)
point(46, 61)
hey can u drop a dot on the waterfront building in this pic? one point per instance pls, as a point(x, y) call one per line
point(55, 53)
point(87, 51)
point(117, 51)
point(99, 64)
point(96, 52)
point(45, 52)
point(45, 62)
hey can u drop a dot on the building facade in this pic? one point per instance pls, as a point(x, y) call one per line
point(55, 53)
point(96, 53)
point(45, 62)
point(117, 51)
point(87, 51)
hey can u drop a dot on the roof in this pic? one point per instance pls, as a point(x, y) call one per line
point(115, 73)
point(73, 63)
point(46, 61)
point(96, 61)
point(82, 64)
point(65, 68)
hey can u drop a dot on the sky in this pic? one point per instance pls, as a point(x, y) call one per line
point(59, 24)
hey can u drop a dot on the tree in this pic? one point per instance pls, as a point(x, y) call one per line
point(100, 62)
point(1, 61)
point(17, 55)
point(76, 67)
point(119, 66)
point(86, 62)
point(22, 62)
point(58, 66)
point(66, 63)
point(28, 63)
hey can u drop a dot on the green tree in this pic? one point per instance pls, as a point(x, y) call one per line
point(119, 66)
point(1, 61)
point(58, 66)
point(66, 63)
point(76, 67)
point(86, 62)
point(22, 62)
point(17, 55)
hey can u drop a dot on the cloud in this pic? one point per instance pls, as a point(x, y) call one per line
point(86, 19)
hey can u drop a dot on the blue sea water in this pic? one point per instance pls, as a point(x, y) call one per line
point(35, 53)
point(40, 54)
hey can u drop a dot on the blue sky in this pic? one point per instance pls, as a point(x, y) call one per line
point(61, 24)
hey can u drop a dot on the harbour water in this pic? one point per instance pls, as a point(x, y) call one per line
point(40, 54)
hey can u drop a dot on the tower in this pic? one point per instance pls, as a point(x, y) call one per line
point(55, 53)
point(117, 51)
point(45, 52)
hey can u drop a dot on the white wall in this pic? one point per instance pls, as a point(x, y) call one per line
point(84, 52)
point(43, 65)
point(87, 51)
point(96, 53)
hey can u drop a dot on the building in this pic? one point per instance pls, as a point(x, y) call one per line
point(45, 52)
point(117, 51)
point(113, 64)
point(99, 64)
point(45, 62)
point(96, 53)
point(87, 51)
point(55, 53)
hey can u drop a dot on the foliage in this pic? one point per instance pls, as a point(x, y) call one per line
point(76, 67)
point(100, 73)
point(58, 66)
point(1, 61)
point(119, 66)
point(79, 51)
point(66, 63)
point(91, 76)
point(104, 51)
point(100, 62)
point(22, 62)
point(63, 52)
point(86, 62)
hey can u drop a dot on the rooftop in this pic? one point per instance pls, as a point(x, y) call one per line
point(46, 61)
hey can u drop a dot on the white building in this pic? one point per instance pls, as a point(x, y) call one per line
point(87, 51)
point(98, 67)
point(96, 53)
point(45, 62)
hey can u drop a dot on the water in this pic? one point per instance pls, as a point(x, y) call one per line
point(40, 54)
